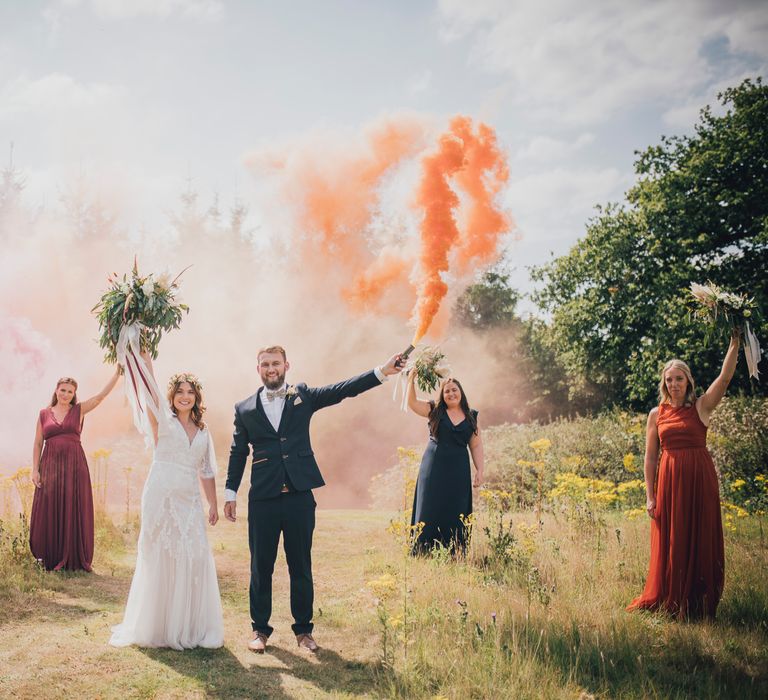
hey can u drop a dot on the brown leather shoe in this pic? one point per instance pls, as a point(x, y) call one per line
point(306, 641)
point(259, 643)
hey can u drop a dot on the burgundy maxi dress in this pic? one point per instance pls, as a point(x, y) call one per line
point(61, 525)
point(687, 566)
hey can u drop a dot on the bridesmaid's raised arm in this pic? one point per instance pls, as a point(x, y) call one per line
point(419, 407)
point(708, 402)
point(89, 404)
point(37, 451)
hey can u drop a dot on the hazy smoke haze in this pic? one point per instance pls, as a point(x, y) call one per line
point(360, 237)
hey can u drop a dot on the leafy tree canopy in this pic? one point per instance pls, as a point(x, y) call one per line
point(616, 304)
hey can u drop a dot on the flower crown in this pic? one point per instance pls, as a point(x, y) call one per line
point(185, 377)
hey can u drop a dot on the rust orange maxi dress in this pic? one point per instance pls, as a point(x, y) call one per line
point(687, 566)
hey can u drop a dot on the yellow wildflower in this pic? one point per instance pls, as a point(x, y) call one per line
point(541, 445)
point(633, 513)
point(384, 586)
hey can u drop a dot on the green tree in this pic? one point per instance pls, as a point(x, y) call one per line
point(488, 303)
point(524, 389)
point(617, 302)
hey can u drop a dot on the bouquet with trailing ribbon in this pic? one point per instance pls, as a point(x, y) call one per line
point(728, 311)
point(431, 368)
point(147, 302)
point(133, 314)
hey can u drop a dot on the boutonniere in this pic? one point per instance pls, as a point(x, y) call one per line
point(291, 393)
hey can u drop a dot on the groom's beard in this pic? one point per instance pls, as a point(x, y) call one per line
point(276, 383)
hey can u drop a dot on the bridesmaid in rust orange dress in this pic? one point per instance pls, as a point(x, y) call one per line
point(687, 567)
point(61, 524)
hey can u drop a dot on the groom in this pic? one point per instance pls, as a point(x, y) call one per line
point(275, 423)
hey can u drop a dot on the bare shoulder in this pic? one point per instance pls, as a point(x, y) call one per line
point(653, 415)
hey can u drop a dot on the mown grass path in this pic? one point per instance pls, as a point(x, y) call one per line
point(57, 647)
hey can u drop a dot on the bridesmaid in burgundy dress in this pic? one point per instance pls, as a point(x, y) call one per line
point(687, 567)
point(61, 525)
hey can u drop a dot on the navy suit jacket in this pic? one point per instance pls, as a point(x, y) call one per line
point(288, 449)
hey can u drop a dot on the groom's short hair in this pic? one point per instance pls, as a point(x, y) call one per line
point(271, 350)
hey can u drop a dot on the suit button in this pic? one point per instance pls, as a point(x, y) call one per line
point(285, 456)
point(282, 439)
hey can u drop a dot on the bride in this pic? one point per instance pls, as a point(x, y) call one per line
point(174, 598)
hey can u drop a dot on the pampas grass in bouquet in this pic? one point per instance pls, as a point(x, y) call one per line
point(727, 312)
point(138, 299)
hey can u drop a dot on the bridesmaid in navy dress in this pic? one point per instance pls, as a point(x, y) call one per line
point(61, 523)
point(444, 486)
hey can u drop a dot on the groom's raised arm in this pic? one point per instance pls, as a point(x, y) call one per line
point(335, 393)
point(238, 454)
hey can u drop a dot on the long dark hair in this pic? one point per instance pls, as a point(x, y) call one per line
point(439, 409)
point(199, 408)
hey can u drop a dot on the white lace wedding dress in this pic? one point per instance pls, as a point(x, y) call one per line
point(174, 598)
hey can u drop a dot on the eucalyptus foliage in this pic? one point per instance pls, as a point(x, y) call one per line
point(146, 300)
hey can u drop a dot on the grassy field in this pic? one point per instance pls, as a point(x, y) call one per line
point(532, 612)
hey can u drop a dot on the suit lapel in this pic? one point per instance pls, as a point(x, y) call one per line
point(261, 413)
point(286, 414)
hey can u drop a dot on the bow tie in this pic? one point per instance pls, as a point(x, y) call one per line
point(280, 393)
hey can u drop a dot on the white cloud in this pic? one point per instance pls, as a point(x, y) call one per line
point(747, 29)
point(551, 208)
point(580, 64)
point(544, 149)
point(200, 10)
point(683, 115)
point(65, 130)
point(53, 96)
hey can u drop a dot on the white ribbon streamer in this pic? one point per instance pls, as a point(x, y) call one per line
point(752, 351)
point(141, 389)
point(401, 384)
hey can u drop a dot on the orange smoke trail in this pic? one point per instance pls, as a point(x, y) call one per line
point(439, 231)
point(484, 175)
point(336, 192)
point(469, 158)
point(339, 193)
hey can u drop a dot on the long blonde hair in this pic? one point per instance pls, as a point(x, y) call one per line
point(690, 392)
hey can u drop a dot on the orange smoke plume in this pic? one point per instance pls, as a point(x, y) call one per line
point(439, 231)
point(484, 175)
point(335, 187)
point(479, 168)
point(385, 220)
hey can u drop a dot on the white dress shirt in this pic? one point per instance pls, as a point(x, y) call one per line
point(273, 408)
point(274, 411)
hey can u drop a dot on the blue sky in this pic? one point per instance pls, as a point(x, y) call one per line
point(137, 95)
